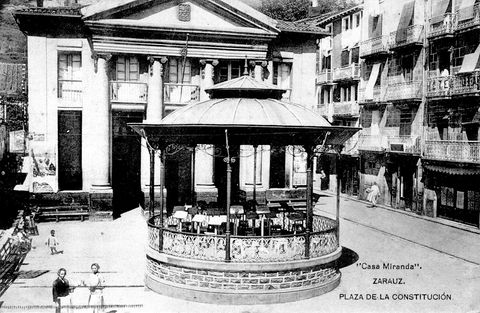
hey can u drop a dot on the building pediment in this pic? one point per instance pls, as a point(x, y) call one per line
point(223, 16)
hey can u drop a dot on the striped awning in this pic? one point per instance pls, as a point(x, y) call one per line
point(452, 170)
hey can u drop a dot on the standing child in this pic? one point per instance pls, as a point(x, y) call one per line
point(52, 243)
point(95, 284)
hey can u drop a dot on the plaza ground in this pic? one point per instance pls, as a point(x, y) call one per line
point(446, 261)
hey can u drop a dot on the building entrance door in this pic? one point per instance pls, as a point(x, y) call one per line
point(70, 150)
point(127, 193)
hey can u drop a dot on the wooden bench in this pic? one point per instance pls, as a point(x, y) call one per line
point(64, 211)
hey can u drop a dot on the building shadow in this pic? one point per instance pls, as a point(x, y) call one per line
point(347, 258)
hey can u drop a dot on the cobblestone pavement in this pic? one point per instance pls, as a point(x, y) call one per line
point(445, 261)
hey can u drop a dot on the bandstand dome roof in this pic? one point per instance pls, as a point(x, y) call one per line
point(252, 113)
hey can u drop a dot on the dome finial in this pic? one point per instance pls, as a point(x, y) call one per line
point(245, 67)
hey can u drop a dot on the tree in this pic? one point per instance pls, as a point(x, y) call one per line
point(294, 10)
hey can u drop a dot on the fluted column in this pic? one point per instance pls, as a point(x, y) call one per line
point(100, 113)
point(207, 77)
point(154, 114)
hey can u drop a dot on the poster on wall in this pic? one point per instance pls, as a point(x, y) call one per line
point(44, 171)
point(16, 142)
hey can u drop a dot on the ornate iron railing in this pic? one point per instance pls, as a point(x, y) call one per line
point(404, 90)
point(346, 108)
point(347, 72)
point(70, 92)
point(466, 83)
point(439, 86)
point(322, 240)
point(181, 94)
point(325, 77)
point(128, 92)
point(373, 46)
point(442, 25)
point(450, 150)
point(411, 35)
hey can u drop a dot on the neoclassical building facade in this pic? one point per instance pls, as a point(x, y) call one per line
point(94, 69)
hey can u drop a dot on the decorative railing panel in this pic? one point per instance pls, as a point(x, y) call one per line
point(404, 90)
point(450, 150)
point(411, 35)
point(325, 77)
point(442, 25)
point(70, 92)
point(188, 245)
point(373, 46)
point(439, 86)
point(466, 23)
point(347, 72)
point(128, 92)
point(466, 83)
point(407, 144)
point(180, 94)
point(153, 237)
point(323, 243)
point(321, 223)
point(346, 108)
point(322, 109)
point(268, 249)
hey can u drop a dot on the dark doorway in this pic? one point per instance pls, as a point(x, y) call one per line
point(277, 167)
point(221, 175)
point(70, 150)
point(127, 193)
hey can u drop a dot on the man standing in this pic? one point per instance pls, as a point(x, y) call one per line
point(373, 193)
point(61, 291)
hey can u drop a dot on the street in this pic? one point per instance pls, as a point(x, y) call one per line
point(405, 264)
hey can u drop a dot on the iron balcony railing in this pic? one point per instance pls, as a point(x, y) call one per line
point(406, 144)
point(70, 92)
point(474, 21)
point(347, 72)
point(181, 94)
point(411, 35)
point(439, 86)
point(451, 150)
point(466, 83)
point(442, 25)
point(350, 108)
point(404, 90)
point(128, 92)
point(376, 45)
point(378, 95)
point(325, 77)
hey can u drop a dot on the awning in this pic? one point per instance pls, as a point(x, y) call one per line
point(470, 61)
point(452, 170)
point(371, 81)
point(465, 10)
point(199, 218)
point(439, 8)
point(406, 19)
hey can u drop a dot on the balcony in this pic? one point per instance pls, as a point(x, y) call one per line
point(128, 92)
point(404, 91)
point(465, 84)
point(367, 142)
point(70, 93)
point(378, 95)
point(374, 46)
point(325, 77)
point(404, 144)
point(407, 37)
point(349, 72)
point(439, 86)
point(177, 95)
point(442, 26)
point(346, 108)
point(467, 24)
point(454, 151)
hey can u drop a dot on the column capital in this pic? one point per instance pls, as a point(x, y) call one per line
point(262, 63)
point(204, 62)
point(96, 55)
point(151, 61)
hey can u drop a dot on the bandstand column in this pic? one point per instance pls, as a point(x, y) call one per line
point(154, 114)
point(270, 71)
point(98, 118)
point(337, 202)
point(310, 155)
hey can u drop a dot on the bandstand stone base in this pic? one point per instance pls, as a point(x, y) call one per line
point(235, 283)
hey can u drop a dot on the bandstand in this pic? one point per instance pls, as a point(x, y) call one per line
point(240, 265)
